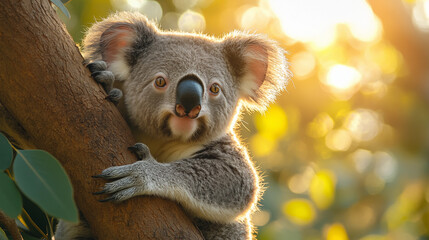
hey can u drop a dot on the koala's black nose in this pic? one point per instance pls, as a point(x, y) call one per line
point(188, 97)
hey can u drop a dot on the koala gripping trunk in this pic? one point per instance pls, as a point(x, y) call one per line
point(50, 93)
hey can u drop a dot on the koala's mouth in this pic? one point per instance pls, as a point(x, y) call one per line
point(184, 128)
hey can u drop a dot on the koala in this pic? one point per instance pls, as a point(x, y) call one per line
point(182, 94)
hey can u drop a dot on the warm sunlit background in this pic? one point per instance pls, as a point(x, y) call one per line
point(345, 150)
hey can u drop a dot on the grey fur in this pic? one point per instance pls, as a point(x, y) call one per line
point(205, 169)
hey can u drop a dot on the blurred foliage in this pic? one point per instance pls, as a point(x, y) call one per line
point(345, 150)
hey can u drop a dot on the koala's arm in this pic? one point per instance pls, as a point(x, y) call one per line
point(218, 183)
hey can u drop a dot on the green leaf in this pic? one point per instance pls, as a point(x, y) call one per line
point(61, 6)
point(65, 1)
point(43, 180)
point(3, 235)
point(6, 153)
point(10, 199)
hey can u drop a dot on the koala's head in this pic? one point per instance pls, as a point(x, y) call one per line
point(186, 87)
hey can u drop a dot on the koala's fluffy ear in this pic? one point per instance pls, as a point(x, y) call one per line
point(259, 66)
point(118, 40)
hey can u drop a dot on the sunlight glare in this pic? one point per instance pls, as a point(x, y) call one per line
point(362, 23)
point(296, 21)
point(255, 18)
point(420, 14)
point(342, 77)
point(315, 21)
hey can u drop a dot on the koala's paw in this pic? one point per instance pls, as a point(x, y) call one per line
point(128, 180)
point(106, 78)
point(140, 150)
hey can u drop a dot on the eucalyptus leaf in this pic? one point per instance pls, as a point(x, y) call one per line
point(65, 1)
point(2, 235)
point(10, 199)
point(6, 153)
point(61, 6)
point(43, 180)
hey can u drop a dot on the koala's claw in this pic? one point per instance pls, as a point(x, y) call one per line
point(105, 78)
point(140, 150)
point(109, 199)
point(97, 66)
point(114, 172)
point(114, 95)
point(97, 176)
point(99, 192)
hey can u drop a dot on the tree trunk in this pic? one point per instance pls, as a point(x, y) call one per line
point(44, 85)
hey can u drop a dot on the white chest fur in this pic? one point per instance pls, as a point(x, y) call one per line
point(170, 151)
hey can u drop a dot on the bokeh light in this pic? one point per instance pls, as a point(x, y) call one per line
point(300, 183)
point(338, 140)
point(303, 65)
point(322, 189)
point(191, 21)
point(421, 14)
point(299, 211)
point(273, 123)
point(254, 18)
point(363, 124)
point(320, 126)
point(343, 81)
point(183, 5)
point(336, 232)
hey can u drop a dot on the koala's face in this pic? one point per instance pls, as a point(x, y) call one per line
point(186, 87)
point(155, 97)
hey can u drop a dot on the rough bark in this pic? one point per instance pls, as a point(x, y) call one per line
point(45, 87)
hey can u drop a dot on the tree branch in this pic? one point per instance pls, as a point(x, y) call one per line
point(49, 92)
point(10, 225)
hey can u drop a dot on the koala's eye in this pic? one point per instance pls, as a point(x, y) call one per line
point(215, 89)
point(160, 82)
